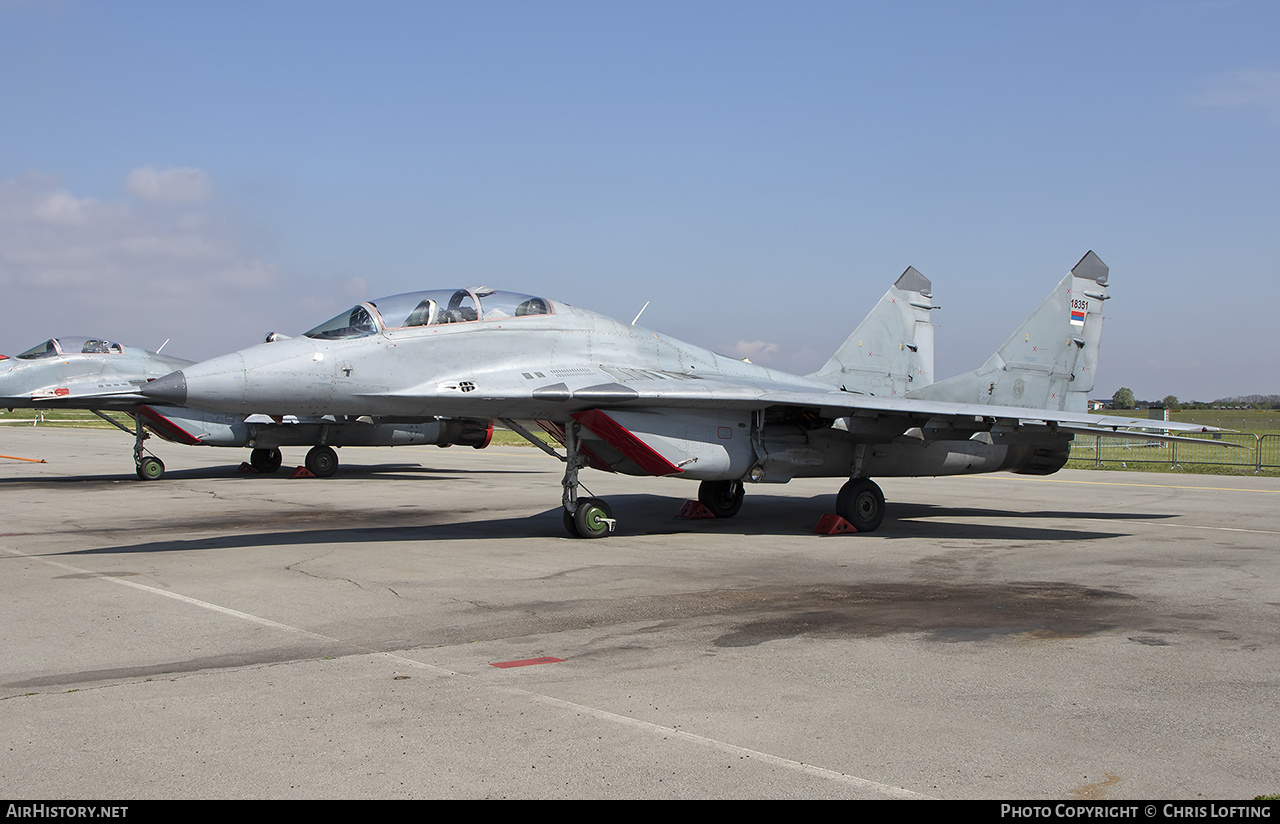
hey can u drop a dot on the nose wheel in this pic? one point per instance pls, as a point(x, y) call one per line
point(592, 519)
point(150, 468)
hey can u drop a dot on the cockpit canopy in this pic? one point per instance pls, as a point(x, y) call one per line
point(429, 308)
point(58, 347)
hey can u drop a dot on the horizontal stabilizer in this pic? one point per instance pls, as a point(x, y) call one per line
point(1132, 435)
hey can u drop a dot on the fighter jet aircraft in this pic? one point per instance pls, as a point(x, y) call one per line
point(621, 398)
point(101, 375)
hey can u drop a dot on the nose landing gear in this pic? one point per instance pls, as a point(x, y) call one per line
point(583, 517)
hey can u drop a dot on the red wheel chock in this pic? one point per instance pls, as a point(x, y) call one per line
point(833, 525)
point(302, 472)
point(693, 510)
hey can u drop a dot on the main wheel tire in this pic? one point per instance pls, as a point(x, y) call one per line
point(150, 469)
point(861, 503)
point(322, 461)
point(266, 461)
point(723, 498)
point(591, 518)
point(569, 525)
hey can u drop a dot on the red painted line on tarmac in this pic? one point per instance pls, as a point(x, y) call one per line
point(528, 662)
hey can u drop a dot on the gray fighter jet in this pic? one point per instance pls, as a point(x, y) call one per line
point(101, 375)
point(625, 399)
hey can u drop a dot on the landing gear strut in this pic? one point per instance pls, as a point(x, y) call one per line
point(861, 503)
point(148, 467)
point(583, 517)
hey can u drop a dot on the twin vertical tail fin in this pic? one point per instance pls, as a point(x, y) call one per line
point(891, 351)
point(1049, 363)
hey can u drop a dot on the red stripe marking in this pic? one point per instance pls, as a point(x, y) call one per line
point(528, 662)
point(556, 431)
point(623, 440)
point(553, 429)
point(166, 428)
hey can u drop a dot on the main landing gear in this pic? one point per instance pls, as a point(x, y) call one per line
point(266, 461)
point(722, 498)
point(322, 461)
point(861, 503)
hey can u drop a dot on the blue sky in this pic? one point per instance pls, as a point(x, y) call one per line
point(761, 172)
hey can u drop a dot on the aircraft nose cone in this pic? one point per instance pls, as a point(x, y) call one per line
point(172, 388)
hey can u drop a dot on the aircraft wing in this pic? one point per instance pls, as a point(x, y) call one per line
point(854, 404)
point(604, 387)
point(125, 395)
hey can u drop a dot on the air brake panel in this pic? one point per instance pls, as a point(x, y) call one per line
point(696, 445)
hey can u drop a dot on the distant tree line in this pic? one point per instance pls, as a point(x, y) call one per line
point(1123, 399)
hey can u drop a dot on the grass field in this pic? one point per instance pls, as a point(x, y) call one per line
point(1258, 421)
point(1256, 431)
point(81, 418)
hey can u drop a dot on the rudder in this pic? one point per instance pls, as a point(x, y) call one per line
point(1050, 361)
point(891, 350)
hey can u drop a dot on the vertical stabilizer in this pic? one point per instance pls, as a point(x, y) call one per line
point(891, 351)
point(1049, 363)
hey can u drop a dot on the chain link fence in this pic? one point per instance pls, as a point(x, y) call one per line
point(1253, 453)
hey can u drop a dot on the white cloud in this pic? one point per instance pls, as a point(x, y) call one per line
point(356, 288)
point(1250, 88)
point(78, 265)
point(754, 349)
point(181, 185)
point(60, 207)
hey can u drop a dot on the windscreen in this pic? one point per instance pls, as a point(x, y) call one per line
point(356, 322)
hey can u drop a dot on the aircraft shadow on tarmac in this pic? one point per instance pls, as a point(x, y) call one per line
point(763, 515)
point(396, 471)
point(640, 515)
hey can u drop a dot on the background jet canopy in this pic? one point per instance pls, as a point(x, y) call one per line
point(56, 347)
point(428, 308)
